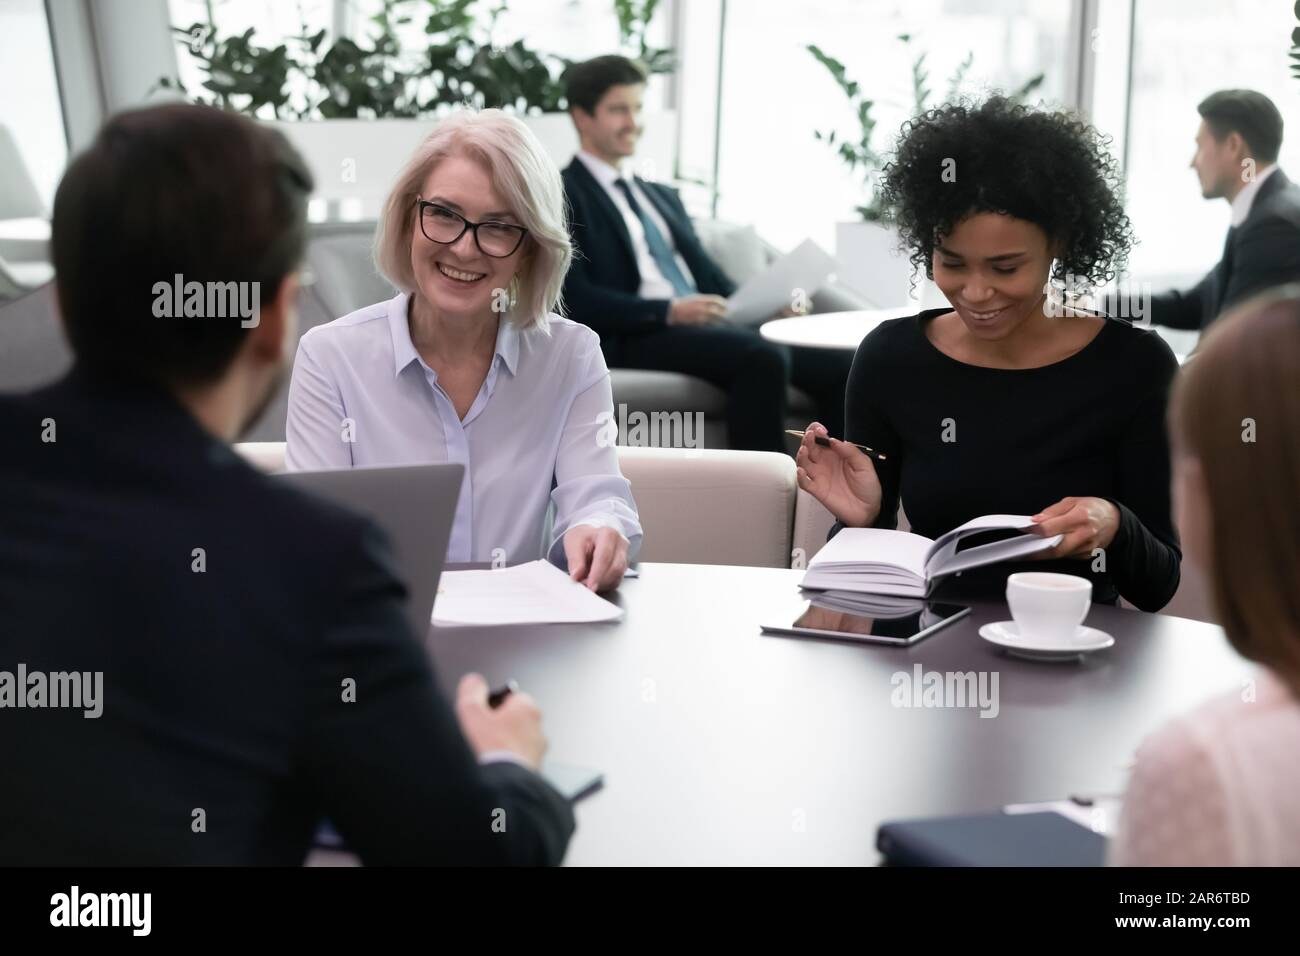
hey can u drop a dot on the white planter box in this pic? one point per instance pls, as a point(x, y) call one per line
point(871, 265)
point(356, 161)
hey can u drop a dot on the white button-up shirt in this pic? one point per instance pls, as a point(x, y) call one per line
point(534, 436)
point(654, 285)
point(1245, 199)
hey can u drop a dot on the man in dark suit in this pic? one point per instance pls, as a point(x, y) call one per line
point(1236, 155)
point(244, 666)
point(641, 279)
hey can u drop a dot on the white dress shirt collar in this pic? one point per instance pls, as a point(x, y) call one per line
point(404, 353)
point(605, 174)
point(1242, 202)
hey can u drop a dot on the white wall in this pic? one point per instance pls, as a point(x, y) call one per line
point(356, 162)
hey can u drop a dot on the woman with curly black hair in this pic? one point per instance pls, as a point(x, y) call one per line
point(1010, 401)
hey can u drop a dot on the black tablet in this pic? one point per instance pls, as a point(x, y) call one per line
point(903, 624)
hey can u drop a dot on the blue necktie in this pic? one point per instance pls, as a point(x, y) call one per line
point(660, 251)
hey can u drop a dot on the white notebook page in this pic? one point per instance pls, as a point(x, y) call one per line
point(534, 593)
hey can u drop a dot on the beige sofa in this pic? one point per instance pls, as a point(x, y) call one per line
point(706, 506)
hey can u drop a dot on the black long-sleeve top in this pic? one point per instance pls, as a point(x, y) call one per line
point(963, 441)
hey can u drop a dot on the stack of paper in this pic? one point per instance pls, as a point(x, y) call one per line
point(767, 293)
point(533, 593)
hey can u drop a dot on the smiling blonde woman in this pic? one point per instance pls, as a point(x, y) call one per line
point(470, 362)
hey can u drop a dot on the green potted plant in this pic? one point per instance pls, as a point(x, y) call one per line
point(358, 106)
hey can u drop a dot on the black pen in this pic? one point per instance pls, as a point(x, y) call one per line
point(826, 443)
point(497, 697)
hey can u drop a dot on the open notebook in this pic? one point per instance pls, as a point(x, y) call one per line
point(878, 561)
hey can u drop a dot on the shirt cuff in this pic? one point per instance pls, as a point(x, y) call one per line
point(504, 756)
point(556, 554)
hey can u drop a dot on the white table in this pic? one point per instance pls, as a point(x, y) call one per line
point(845, 330)
point(721, 745)
point(24, 252)
point(24, 240)
point(831, 330)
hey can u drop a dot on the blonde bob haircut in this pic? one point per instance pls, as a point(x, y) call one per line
point(523, 173)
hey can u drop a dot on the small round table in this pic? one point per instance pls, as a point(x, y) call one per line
point(830, 330)
point(845, 330)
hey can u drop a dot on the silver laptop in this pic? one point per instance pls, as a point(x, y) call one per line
point(415, 505)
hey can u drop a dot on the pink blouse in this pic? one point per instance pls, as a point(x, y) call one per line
point(1219, 786)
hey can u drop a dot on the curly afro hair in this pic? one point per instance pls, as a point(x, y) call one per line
point(1047, 168)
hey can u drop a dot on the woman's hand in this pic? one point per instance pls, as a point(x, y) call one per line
point(597, 556)
point(1087, 523)
point(840, 477)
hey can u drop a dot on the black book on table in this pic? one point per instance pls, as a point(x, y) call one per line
point(991, 839)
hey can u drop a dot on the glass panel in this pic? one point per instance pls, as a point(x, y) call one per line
point(272, 23)
point(1183, 52)
point(34, 119)
point(773, 172)
point(569, 29)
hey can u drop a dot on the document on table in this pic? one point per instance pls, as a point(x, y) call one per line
point(766, 294)
point(534, 593)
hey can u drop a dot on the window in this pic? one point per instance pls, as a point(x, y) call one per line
point(1183, 52)
point(272, 23)
point(572, 29)
point(773, 172)
point(34, 120)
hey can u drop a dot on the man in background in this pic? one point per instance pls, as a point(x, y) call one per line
point(1237, 147)
point(642, 280)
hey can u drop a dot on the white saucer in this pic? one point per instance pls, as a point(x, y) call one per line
point(1006, 634)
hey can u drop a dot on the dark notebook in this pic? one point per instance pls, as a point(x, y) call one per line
point(991, 839)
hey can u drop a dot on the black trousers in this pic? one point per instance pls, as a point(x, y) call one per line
point(751, 370)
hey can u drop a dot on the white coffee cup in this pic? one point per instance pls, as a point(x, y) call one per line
point(1048, 607)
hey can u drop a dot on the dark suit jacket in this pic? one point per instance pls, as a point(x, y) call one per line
point(222, 688)
point(1264, 251)
point(601, 288)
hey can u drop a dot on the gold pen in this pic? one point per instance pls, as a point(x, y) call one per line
point(826, 443)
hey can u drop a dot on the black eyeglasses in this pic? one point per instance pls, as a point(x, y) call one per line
point(445, 226)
